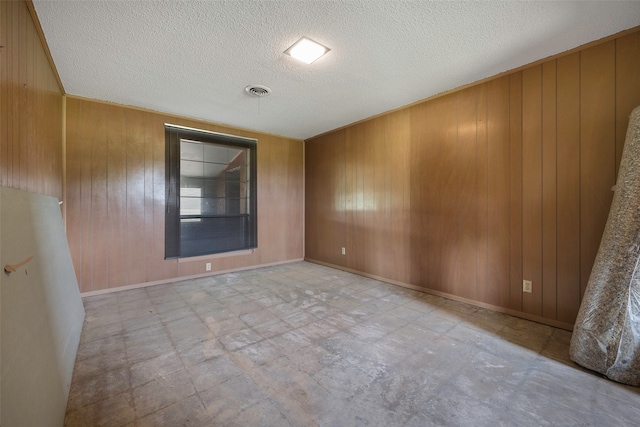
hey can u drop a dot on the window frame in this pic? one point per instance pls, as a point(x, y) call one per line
point(173, 135)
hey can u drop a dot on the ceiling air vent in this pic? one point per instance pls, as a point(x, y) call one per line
point(257, 90)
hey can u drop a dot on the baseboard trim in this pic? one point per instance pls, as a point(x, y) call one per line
point(515, 313)
point(180, 279)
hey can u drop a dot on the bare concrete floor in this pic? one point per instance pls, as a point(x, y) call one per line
point(304, 345)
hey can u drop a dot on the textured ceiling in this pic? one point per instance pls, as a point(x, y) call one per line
point(195, 58)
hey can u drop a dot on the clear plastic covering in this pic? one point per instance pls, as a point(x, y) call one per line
point(606, 336)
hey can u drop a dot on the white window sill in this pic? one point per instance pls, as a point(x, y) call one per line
point(214, 256)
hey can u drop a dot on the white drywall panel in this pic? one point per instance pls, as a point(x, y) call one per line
point(41, 312)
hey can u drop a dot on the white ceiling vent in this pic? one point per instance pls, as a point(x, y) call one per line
point(258, 91)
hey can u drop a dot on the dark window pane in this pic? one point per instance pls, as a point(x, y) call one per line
point(217, 234)
point(191, 150)
point(214, 187)
point(214, 170)
point(211, 193)
point(190, 206)
point(216, 154)
point(188, 182)
point(214, 206)
point(191, 169)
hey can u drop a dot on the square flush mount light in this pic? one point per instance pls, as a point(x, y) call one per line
point(306, 50)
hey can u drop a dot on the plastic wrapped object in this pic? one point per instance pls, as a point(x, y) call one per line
point(606, 336)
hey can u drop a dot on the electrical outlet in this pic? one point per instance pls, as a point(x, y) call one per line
point(526, 286)
point(344, 251)
point(207, 266)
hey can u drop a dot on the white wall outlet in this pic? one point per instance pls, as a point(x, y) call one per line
point(344, 251)
point(526, 286)
point(207, 266)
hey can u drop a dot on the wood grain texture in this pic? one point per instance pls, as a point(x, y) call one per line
point(30, 107)
point(97, 139)
point(597, 149)
point(627, 87)
point(134, 216)
point(433, 183)
point(355, 145)
point(498, 190)
point(532, 188)
point(73, 184)
point(466, 207)
point(116, 193)
point(517, 195)
point(4, 95)
point(84, 138)
point(380, 228)
point(549, 191)
point(397, 138)
point(482, 201)
point(507, 180)
point(418, 247)
point(325, 198)
point(568, 196)
point(449, 170)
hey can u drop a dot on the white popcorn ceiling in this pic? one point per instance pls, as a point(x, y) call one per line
point(194, 58)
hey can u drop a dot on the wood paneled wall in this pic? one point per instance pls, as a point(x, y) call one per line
point(30, 107)
point(116, 197)
point(470, 193)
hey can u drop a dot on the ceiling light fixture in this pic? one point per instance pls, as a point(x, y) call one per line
point(306, 50)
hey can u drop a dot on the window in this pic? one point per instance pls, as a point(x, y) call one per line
point(210, 193)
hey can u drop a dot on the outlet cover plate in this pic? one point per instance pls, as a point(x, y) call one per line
point(527, 286)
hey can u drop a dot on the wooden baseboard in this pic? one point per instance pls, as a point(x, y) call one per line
point(515, 313)
point(180, 279)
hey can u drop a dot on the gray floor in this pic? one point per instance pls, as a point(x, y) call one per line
point(304, 345)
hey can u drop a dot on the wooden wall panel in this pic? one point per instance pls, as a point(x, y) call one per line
point(597, 149)
point(447, 194)
point(397, 133)
point(369, 210)
point(482, 201)
point(498, 189)
point(4, 89)
point(116, 197)
point(135, 248)
point(279, 195)
point(97, 140)
point(532, 189)
point(30, 107)
point(431, 195)
point(354, 197)
point(627, 86)
point(568, 183)
point(149, 202)
point(380, 231)
point(549, 192)
point(20, 22)
point(29, 151)
point(465, 213)
point(418, 239)
point(88, 116)
point(313, 175)
point(517, 191)
point(73, 185)
point(325, 198)
point(507, 180)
